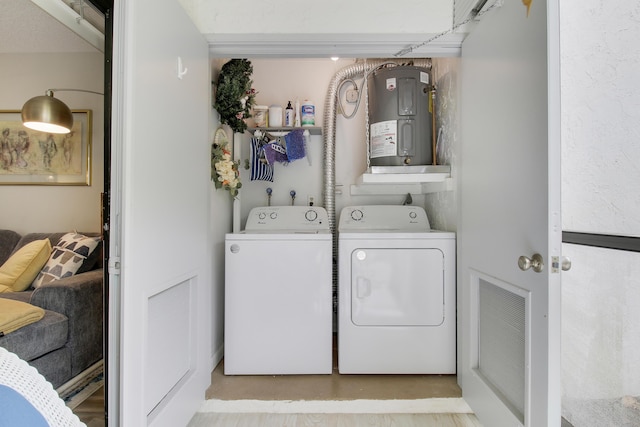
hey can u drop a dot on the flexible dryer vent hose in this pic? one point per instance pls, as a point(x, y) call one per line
point(359, 68)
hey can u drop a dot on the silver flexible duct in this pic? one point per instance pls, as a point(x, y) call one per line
point(329, 131)
point(329, 136)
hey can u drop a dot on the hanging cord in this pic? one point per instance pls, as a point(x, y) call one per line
point(355, 86)
point(340, 107)
point(474, 14)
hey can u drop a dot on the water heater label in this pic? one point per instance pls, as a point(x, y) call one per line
point(391, 84)
point(424, 77)
point(384, 138)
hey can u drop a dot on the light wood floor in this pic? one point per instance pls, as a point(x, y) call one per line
point(330, 387)
point(331, 420)
point(91, 411)
point(333, 387)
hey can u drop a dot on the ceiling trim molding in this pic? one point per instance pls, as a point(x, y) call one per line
point(327, 45)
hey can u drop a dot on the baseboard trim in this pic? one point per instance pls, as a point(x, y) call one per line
point(81, 380)
point(417, 406)
point(216, 358)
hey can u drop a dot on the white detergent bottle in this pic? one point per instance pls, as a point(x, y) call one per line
point(296, 121)
point(308, 113)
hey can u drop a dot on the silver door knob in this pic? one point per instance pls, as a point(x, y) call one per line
point(536, 263)
point(566, 263)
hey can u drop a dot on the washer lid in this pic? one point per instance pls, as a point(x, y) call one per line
point(384, 218)
point(287, 219)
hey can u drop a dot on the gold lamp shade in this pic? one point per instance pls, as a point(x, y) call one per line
point(47, 114)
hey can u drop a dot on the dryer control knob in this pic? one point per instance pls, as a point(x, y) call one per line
point(311, 215)
point(356, 214)
point(234, 248)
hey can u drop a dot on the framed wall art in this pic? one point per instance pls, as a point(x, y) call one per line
point(29, 157)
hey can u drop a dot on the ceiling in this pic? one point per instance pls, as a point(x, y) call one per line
point(26, 28)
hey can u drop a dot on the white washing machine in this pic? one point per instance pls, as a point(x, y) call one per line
point(278, 293)
point(396, 284)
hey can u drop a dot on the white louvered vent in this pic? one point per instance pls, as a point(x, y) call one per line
point(502, 325)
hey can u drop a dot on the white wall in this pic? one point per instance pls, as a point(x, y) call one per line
point(280, 80)
point(600, 129)
point(42, 208)
point(221, 223)
point(321, 17)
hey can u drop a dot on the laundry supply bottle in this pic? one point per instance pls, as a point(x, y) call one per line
point(308, 113)
point(296, 120)
point(288, 115)
point(275, 116)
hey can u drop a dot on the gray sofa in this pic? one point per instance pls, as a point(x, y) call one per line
point(69, 338)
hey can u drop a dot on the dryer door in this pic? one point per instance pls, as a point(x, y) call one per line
point(397, 287)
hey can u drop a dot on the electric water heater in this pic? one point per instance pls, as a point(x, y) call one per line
point(399, 117)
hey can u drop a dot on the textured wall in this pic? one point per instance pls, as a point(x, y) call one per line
point(442, 206)
point(601, 194)
point(601, 337)
point(601, 116)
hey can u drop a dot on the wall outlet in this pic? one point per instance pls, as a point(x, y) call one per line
point(352, 95)
point(310, 200)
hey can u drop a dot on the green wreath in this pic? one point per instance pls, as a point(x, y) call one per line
point(234, 95)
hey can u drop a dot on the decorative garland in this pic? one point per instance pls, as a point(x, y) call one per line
point(234, 95)
point(224, 171)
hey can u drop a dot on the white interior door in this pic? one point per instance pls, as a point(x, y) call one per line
point(160, 216)
point(509, 319)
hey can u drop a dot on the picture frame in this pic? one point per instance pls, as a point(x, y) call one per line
point(29, 157)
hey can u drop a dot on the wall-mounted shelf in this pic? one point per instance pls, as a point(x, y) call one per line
point(390, 180)
point(281, 131)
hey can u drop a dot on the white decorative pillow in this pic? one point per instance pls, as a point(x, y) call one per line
point(66, 257)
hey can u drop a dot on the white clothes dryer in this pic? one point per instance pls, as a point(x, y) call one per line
point(396, 286)
point(278, 293)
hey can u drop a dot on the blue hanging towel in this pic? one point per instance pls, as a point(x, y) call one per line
point(260, 169)
point(295, 144)
point(274, 152)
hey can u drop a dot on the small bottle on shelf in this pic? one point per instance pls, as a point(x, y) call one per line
point(288, 115)
point(296, 120)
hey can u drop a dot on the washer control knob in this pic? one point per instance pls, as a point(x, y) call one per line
point(413, 215)
point(234, 248)
point(311, 215)
point(356, 214)
point(262, 215)
point(273, 215)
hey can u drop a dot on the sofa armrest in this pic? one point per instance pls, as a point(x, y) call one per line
point(80, 298)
